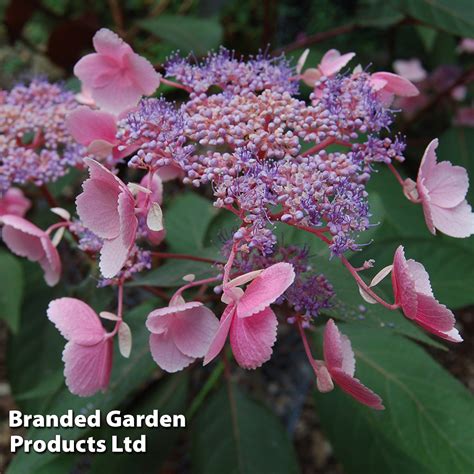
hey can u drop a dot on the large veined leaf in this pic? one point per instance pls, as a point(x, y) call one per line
point(453, 16)
point(189, 34)
point(168, 398)
point(186, 220)
point(127, 376)
point(428, 423)
point(236, 435)
point(11, 290)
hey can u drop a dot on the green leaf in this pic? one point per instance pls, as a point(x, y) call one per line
point(428, 424)
point(187, 219)
point(170, 274)
point(453, 16)
point(236, 435)
point(168, 398)
point(127, 376)
point(377, 14)
point(28, 364)
point(11, 290)
point(198, 35)
point(427, 36)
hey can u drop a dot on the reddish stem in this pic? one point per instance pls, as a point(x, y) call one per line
point(175, 84)
point(364, 286)
point(307, 349)
point(396, 174)
point(320, 146)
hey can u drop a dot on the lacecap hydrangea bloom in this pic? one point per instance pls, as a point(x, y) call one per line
point(243, 132)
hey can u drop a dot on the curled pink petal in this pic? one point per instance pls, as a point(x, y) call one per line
point(396, 84)
point(265, 289)
point(94, 129)
point(252, 338)
point(107, 207)
point(413, 293)
point(356, 389)
point(220, 337)
point(332, 346)
point(26, 240)
point(333, 61)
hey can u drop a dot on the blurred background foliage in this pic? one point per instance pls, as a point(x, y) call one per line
point(428, 426)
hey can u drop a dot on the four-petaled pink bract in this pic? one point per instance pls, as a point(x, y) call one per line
point(180, 333)
point(115, 75)
point(331, 63)
point(412, 290)
point(249, 319)
point(26, 240)
point(88, 353)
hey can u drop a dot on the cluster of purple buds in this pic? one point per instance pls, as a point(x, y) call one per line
point(35, 145)
point(268, 154)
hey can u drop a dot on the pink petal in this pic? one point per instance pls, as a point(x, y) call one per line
point(446, 184)
point(76, 321)
point(51, 262)
point(456, 221)
point(87, 368)
point(14, 203)
point(428, 162)
point(410, 69)
point(193, 331)
point(348, 359)
point(311, 76)
point(114, 253)
point(396, 84)
point(108, 43)
point(22, 237)
point(332, 62)
point(426, 203)
point(118, 94)
point(87, 125)
point(166, 354)
point(451, 336)
point(420, 277)
point(433, 314)
point(95, 71)
point(404, 284)
point(97, 205)
point(159, 320)
point(265, 289)
point(332, 346)
point(252, 338)
point(357, 390)
point(144, 74)
point(324, 380)
point(221, 335)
